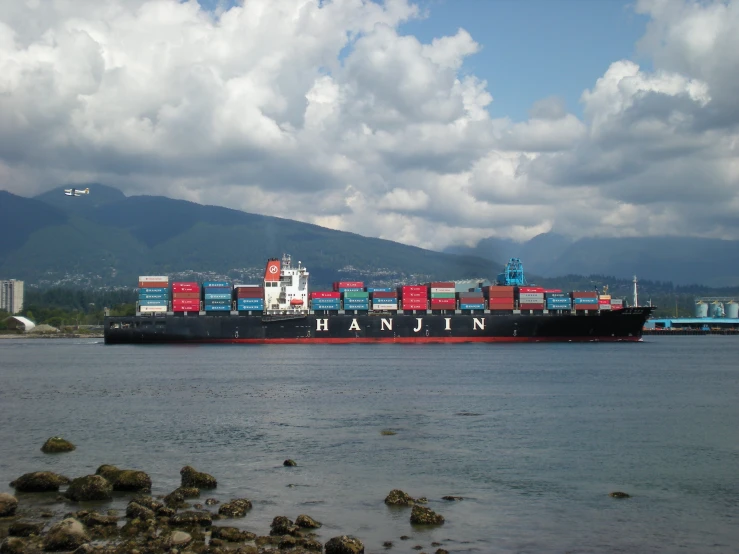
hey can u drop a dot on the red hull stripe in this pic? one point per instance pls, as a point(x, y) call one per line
point(409, 340)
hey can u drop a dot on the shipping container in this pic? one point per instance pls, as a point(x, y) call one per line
point(325, 294)
point(436, 290)
point(188, 288)
point(604, 306)
point(472, 306)
point(356, 294)
point(349, 284)
point(616, 307)
point(617, 301)
point(154, 290)
point(221, 284)
point(217, 296)
point(250, 294)
point(390, 294)
point(586, 300)
point(603, 302)
point(383, 307)
point(385, 300)
point(444, 301)
point(586, 307)
point(556, 295)
point(154, 284)
point(531, 296)
point(530, 289)
point(176, 303)
point(530, 306)
point(552, 291)
point(379, 289)
point(217, 308)
point(218, 302)
point(413, 288)
point(584, 294)
point(604, 297)
point(164, 297)
point(441, 285)
point(152, 303)
point(153, 309)
point(156, 278)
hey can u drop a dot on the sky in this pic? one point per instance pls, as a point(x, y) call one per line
point(428, 122)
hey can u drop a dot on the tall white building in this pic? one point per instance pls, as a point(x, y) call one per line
point(11, 296)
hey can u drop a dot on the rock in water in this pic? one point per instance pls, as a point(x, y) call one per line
point(8, 504)
point(180, 538)
point(236, 508)
point(13, 545)
point(619, 494)
point(193, 478)
point(24, 529)
point(57, 444)
point(282, 525)
point(452, 498)
point(89, 487)
point(289, 463)
point(398, 498)
point(134, 510)
point(191, 519)
point(231, 534)
point(425, 516)
point(39, 481)
point(66, 535)
point(344, 545)
point(125, 480)
point(307, 522)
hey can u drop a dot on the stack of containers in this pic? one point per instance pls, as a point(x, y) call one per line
point(604, 302)
point(217, 296)
point(356, 299)
point(185, 297)
point(414, 297)
point(325, 300)
point(153, 294)
point(558, 300)
point(530, 298)
point(341, 286)
point(617, 304)
point(499, 297)
point(383, 299)
point(472, 300)
point(587, 300)
point(442, 296)
point(249, 298)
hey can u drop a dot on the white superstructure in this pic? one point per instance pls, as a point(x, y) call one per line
point(285, 287)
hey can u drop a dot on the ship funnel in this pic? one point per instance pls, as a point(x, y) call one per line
point(272, 271)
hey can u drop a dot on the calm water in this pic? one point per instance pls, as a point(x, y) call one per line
point(534, 437)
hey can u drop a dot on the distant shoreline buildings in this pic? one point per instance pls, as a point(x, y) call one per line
point(11, 296)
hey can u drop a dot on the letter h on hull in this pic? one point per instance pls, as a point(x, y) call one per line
point(321, 324)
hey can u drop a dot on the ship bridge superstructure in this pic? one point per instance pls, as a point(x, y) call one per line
point(285, 286)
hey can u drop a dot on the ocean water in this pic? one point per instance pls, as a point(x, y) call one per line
point(534, 437)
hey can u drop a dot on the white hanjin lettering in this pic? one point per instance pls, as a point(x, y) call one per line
point(479, 323)
point(417, 329)
point(386, 324)
point(448, 326)
point(354, 326)
point(321, 324)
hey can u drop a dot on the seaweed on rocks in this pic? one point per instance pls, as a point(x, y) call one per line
point(344, 545)
point(39, 481)
point(231, 534)
point(307, 522)
point(125, 480)
point(68, 534)
point(425, 516)
point(193, 478)
point(89, 487)
point(236, 508)
point(8, 504)
point(56, 445)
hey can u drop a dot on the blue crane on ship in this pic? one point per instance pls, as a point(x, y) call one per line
point(513, 274)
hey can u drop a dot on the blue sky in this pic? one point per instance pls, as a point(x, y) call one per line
point(532, 49)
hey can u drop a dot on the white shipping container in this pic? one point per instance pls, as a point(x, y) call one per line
point(145, 278)
point(604, 306)
point(617, 301)
point(381, 307)
point(535, 296)
point(152, 309)
point(442, 289)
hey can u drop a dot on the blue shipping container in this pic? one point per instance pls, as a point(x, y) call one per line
point(209, 308)
point(556, 294)
point(217, 296)
point(225, 284)
point(472, 306)
point(153, 291)
point(376, 289)
point(352, 289)
point(152, 302)
point(250, 300)
point(218, 302)
point(586, 301)
point(153, 297)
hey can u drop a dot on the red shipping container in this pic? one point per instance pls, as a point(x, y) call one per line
point(414, 288)
point(325, 294)
point(531, 306)
point(501, 305)
point(414, 305)
point(189, 306)
point(348, 285)
point(414, 295)
point(584, 294)
point(499, 288)
point(384, 294)
point(185, 295)
point(443, 302)
point(530, 289)
point(604, 301)
point(249, 293)
point(185, 284)
point(590, 307)
point(552, 290)
point(473, 298)
point(617, 307)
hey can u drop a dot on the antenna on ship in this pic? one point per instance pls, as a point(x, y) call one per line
point(636, 293)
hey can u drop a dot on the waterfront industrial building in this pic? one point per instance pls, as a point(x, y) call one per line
point(11, 296)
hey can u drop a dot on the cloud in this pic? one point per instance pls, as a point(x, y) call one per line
point(323, 111)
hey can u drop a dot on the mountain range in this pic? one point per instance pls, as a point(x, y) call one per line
point(107, 238)
point(681, 260)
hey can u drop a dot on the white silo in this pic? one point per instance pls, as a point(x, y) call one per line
point(701, 309)
point(717, 309)
point(732, 310)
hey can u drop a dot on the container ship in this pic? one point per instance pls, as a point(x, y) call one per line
point(281, 309)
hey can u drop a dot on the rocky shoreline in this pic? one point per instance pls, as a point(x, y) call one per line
point(181, 522)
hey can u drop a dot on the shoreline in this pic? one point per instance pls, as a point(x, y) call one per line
point(52, 336)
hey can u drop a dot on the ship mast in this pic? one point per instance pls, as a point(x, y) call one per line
point(636, 294)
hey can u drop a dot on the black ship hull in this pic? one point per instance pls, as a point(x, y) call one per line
point(419, 327)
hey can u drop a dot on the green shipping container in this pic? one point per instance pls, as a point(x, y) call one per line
point(356, 294)
point(442, 295)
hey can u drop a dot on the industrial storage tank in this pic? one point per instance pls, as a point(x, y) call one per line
point(701, 309)
point(717, 309)
point(732, 310)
